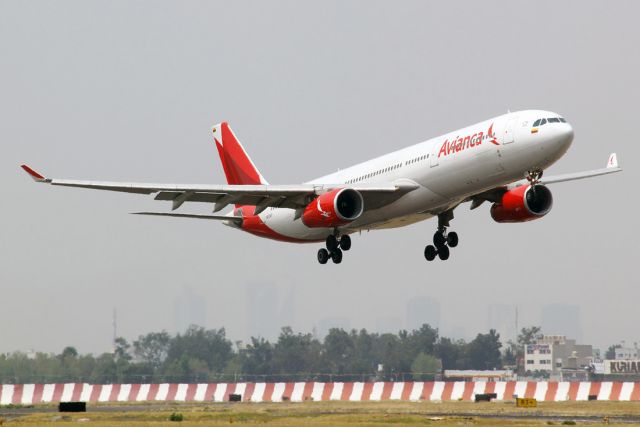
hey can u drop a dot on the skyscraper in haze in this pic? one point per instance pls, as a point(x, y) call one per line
point(562, 319)
point(502, 318)
point(388, 324)
point(327, 323)
point(188, 309)
point(262, 310)
point(421, 310)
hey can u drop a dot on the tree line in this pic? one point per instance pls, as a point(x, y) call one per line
point(208, 355)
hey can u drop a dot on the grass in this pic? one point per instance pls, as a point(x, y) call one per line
point(338, 414)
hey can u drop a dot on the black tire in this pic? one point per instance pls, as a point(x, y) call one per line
point(452, 239)
point(345, 242)
point(438, 239)
point(443, 253)
point(336, 256)
point(332, 243)
point(430, 253)
point(323, 256)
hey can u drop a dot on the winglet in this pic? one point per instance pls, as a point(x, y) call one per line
point(34, 175)
point(613, 161)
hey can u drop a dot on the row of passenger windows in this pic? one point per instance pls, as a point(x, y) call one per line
point(417, 159)
point(541, 122)
point(388, 169)
point(372, 174)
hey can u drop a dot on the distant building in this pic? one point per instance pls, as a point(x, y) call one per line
point(553, 353)
point(188, 309)
point(262, 310)
point(421, 310)
point(626, 353)
point(473, 375)
point(502, 318)
point(390, 324)
point(327, 323)
point(562, 319)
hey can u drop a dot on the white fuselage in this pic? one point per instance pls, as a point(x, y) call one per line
point(448, 170)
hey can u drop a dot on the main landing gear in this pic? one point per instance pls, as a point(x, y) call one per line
point(335, 246)
point(442, 240)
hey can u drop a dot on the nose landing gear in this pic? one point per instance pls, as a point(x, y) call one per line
point(442, 240)
point(534, 176)
point(335, 245)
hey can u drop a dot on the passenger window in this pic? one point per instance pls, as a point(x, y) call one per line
point(536, 123)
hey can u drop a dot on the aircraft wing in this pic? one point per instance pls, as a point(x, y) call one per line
point(261, 196)
point(495, 194)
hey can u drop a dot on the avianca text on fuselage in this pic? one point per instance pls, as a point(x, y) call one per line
point(459, 143)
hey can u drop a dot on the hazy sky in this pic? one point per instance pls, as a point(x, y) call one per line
point(128, 91)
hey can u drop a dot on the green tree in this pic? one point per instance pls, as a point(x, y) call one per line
point(484, 351)
point(257, 357)
point(121, 351)
point(425, 367)
point(388, 352)
point(610, 354)
point(104, 371)
point(509, 355)
point(452, 353)
point(529, 335)
point(209, 346)
point(152, 348)
point(338, 352)
point(423, 339)
point(295, 353)
point(187, 369)
point(69, 353)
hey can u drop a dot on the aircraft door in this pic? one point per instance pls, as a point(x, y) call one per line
point(507, 137)
point(433, 157)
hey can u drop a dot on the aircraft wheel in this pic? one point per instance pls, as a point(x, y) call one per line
point(332, 243)
point(452, 239)
point(443, 253)
point(345, 242)
point(336, 256)
point(439, 239)
point(323, 256)
point(430, 253)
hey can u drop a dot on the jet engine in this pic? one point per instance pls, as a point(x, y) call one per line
point(524, 203)
point(332, 209)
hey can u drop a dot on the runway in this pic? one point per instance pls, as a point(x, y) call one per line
point(592, 413)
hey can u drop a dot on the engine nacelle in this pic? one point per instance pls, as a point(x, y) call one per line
point(524, 203)
point(332, 209)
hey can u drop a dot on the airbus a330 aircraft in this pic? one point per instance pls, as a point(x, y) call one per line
point(500, 160)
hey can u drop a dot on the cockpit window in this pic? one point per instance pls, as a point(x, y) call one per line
point(554, 120)
point(543, 121)
point(562, 120)
point(536, 123)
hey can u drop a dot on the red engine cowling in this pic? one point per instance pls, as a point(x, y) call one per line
point(332, 209)
point(524, 203)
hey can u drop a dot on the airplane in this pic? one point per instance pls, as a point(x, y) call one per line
point(500, 160)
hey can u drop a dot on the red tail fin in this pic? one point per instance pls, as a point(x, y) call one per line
point(236, 163)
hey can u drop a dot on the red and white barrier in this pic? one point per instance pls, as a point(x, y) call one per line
point(28, 394)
